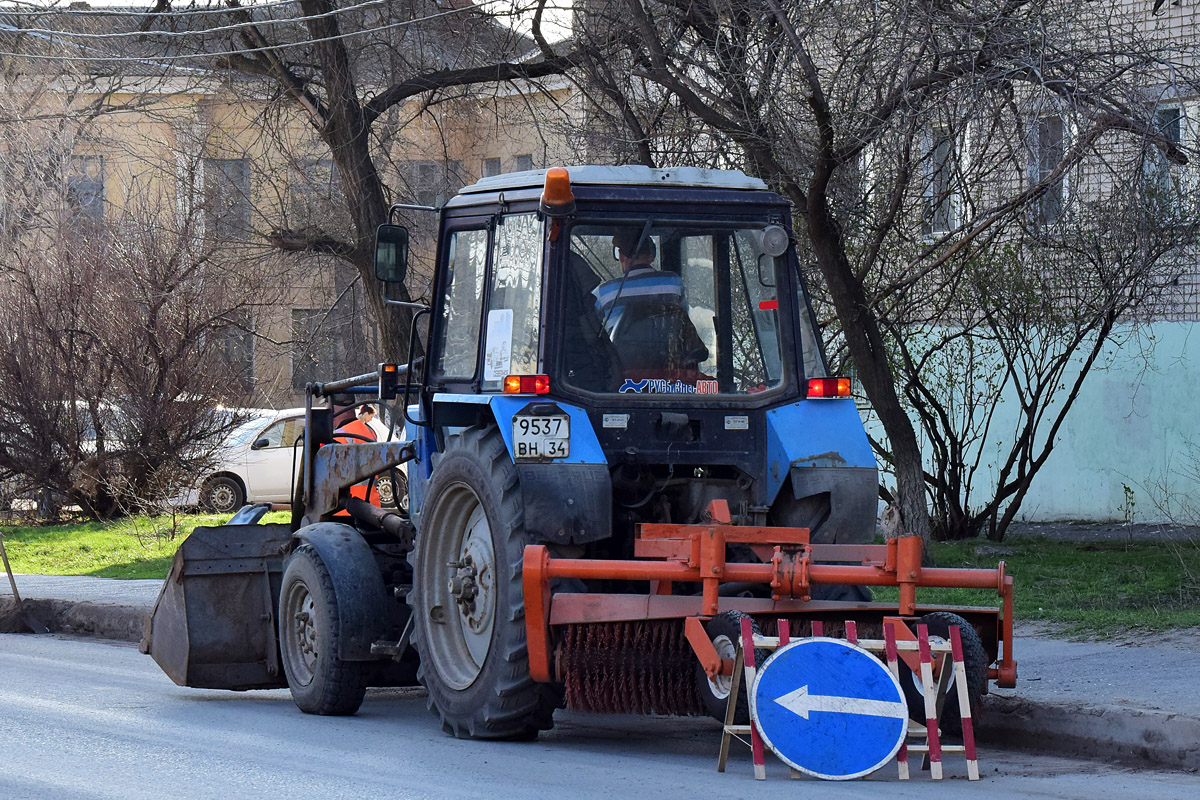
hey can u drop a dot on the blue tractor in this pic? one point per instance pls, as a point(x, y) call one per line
point(622, 438)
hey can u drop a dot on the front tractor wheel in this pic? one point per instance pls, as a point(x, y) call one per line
point(320, 681)
point(467, 599)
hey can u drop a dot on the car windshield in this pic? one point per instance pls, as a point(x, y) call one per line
point(671, 308)
point(243, 433)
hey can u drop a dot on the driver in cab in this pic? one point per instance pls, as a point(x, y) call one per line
point(644, 312)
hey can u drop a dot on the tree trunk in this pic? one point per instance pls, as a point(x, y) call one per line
point(347, 134)
point(865, 344)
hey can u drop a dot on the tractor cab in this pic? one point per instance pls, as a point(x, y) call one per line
point(623, 281)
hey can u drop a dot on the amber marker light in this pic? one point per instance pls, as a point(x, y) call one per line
point(527, 384)
point(557, 198)
point(828, 387)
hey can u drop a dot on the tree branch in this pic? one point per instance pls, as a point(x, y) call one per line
point(308, 241)
point(445, 78)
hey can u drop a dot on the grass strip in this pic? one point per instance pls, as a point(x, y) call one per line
point(1090, 588)
point(135, 547)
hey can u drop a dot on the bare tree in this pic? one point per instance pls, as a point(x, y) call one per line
point(901, 134)
point(117, 336)
point(347, 69)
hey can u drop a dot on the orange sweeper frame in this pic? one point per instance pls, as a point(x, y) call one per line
point(667, 555)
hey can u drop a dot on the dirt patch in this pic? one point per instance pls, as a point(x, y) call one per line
point(1104, 532)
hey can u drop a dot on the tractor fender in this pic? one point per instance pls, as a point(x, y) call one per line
point(821, 448)
point(567, 500)
point(358, 586)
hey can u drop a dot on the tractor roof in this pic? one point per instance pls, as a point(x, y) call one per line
point(622, 176)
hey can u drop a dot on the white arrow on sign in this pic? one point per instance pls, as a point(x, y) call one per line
point(801, 703)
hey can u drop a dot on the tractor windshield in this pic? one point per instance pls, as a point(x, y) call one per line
point(658, 308)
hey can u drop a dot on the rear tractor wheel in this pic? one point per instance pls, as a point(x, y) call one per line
point(469, 623)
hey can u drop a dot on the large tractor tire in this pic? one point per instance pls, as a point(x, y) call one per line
point(321, 682)
point(975, 662)
point(467, 599)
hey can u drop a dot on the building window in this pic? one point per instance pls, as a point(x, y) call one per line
point(236, 346)
point(433, 182)
point(85, 186)
point(308, 354)
point(939, 186)
point(1049, 151)
point(327, 343)
point(491, 167)
point(227, 197)
point(314, 195)
point(1161, 182)
point(524, 163)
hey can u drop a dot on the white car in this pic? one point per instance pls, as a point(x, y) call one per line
point(255, 465)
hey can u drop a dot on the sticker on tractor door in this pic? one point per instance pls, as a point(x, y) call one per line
point(664, 386)
point(615, 421)
point(737, 423)
point(541, 436)
point(497, 356)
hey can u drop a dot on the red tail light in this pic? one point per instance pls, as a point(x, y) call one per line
point(829, 387)
point(527, 384)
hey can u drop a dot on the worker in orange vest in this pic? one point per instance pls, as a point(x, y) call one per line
point(360, 427)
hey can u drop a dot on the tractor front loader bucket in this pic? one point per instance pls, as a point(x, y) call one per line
point(213, 626)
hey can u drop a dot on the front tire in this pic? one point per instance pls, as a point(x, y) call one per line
point(320, 681)
point(222, 495)
point(469, 624)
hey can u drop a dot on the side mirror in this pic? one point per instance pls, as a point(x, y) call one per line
point(261, 444)
point(391, 253)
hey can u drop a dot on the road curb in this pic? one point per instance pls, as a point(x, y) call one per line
point(79, 618)
point(1131, 735)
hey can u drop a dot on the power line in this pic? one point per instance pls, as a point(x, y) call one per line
point(190, 56)
point(202, 31)
point(121, 12)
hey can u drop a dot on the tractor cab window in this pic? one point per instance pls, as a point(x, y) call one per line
point(670, 309)
point(457, 347)
point(514, 308)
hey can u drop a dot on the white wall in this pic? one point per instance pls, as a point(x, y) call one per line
point(1136, 423)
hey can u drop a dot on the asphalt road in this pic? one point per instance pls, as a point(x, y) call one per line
point(86, 719)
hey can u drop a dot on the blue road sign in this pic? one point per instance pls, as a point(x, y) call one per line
point(829, 709)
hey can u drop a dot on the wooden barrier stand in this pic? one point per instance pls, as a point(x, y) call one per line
point(922, 739)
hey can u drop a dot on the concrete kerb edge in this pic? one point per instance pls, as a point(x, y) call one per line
point(1133, 736)
point(100, 620)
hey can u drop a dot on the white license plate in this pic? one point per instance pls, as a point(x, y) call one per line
point(542, 437)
